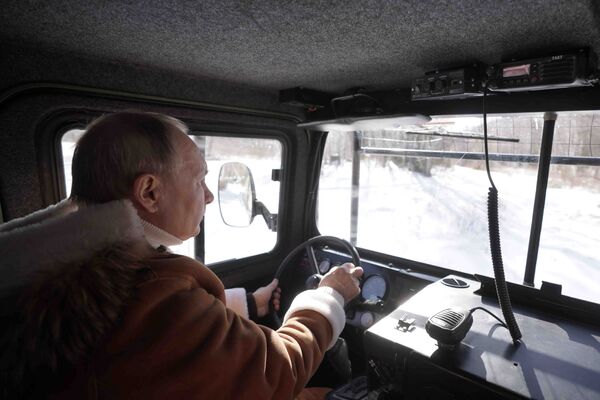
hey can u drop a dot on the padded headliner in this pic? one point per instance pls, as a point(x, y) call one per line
point(325, 45)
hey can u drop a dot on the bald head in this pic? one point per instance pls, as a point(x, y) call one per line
point(117, 148)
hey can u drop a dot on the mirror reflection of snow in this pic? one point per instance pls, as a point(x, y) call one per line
point(234, 211)
point(235, 200)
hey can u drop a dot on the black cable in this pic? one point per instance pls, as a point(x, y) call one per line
point(495, 245)
point(485, 139)
point(489, 312)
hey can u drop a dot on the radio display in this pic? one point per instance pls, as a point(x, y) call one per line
point(516, 70)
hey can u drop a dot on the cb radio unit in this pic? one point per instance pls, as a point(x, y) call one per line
point(454, 83)
point(562, 70)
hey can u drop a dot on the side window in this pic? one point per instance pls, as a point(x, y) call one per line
point(67, 144)
point(570, 240)
point(222, 242)
point(262, 156)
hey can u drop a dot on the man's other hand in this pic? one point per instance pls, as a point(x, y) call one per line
point(263, 297)
point(344, 279)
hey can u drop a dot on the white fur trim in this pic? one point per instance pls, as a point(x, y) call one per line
point(326, 301)
point(64, 233)
point(56, 210)
point(236, 300)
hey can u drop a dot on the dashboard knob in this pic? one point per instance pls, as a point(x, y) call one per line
point(367, 319)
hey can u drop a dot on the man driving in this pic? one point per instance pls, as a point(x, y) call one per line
point(104, 310)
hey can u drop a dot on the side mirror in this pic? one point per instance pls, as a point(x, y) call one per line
point(236, 194)
point(237, 198)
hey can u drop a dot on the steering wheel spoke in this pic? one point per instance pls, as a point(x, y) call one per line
point(309, 247)
point(312, 257)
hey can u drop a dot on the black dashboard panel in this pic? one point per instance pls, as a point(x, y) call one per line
point(401, 285)
point(557, 358)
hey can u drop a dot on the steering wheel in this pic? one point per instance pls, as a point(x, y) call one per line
point(309, 246)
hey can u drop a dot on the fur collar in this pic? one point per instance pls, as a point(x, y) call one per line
point(67, 271)
point(62, 234)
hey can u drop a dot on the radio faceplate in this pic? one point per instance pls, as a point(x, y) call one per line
point(570, 69)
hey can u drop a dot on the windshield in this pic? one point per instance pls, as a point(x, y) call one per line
point(420, 193)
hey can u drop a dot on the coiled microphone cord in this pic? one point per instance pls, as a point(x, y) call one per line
point(495, 247)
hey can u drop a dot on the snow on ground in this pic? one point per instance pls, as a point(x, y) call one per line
point(442, 220)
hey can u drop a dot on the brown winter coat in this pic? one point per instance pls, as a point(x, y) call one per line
point(132, 322)
point(179, 341)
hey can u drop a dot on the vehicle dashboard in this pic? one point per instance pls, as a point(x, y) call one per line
point(557, 355)
point(386, 285)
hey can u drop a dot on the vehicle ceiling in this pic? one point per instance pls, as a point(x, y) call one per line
point(325, 45)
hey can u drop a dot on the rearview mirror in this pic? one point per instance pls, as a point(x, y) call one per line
point(237, 198)
point(236, 194)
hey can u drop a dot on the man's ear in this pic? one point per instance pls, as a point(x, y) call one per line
point(146, 192)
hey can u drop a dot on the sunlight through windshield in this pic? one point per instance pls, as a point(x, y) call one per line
point(421, 191)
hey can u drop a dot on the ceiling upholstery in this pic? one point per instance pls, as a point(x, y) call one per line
point(325, 45)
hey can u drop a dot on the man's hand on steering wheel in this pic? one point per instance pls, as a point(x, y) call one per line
point(344, 279)
point(264, 295)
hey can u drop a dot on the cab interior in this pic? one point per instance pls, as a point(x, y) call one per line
point(344, 115)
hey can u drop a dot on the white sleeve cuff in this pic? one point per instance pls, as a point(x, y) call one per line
point(326, 301)
point(236, 300)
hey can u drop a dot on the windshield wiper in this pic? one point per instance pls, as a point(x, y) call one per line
point(463, 135)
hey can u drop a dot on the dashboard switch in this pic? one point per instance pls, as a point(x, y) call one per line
point(405, 324)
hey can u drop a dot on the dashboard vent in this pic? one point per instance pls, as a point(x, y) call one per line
point(455, 283)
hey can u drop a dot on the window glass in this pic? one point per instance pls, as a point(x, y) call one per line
point(422, 194)
point(68, 142)
point(570, 241)
point(222, 242)
point(262, 156)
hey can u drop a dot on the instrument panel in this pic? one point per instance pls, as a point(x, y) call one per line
point(374, 287)
point(383, 287)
